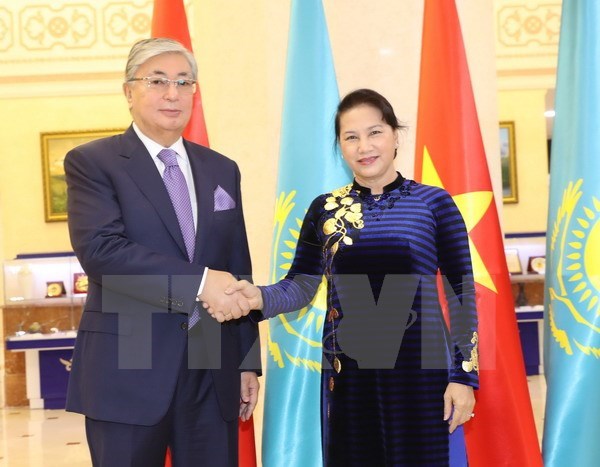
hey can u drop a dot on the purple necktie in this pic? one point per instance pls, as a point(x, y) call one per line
point(180, 198)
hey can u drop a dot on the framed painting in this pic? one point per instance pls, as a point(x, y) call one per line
point(513, 261)
point(54, 148)
point(508, 161)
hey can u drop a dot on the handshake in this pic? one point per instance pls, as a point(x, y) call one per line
point(226, 298)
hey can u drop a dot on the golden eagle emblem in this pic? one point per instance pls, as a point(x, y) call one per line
point(574, 272)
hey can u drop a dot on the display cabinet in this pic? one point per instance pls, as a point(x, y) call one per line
point(34, 278)
point(43, 301)
point(528, 292)
point(526, 253)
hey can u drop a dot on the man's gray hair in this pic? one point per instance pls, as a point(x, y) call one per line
point(144, 50)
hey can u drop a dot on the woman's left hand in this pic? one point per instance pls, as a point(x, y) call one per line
point(459, 401)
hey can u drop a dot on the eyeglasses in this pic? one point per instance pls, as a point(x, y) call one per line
point(157, 83)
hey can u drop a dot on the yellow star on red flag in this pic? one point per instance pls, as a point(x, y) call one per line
point(472, 206)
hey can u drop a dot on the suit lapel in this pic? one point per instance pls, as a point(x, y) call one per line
point(204, 186)
point(143, 172)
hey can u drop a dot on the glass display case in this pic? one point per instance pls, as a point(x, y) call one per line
point(35, 278)
point(43, 301)
point(527, 282)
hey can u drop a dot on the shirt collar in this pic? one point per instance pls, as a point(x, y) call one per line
point(154, 148)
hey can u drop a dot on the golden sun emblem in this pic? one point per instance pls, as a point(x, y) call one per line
point(297, 335)
point(574, 283)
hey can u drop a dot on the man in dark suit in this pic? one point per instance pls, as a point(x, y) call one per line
point(156, 222)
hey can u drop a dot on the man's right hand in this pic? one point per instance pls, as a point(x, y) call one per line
point(249, 291)
point(220, 306)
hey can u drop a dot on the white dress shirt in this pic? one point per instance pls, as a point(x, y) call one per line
point(184, 164)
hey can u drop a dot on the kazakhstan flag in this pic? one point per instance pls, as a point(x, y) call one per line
point(308, 166)
point(572, 328)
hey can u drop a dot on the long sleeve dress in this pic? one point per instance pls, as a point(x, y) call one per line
point(388, 352)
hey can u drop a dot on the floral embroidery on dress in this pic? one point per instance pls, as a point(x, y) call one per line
point(347, 213)
point(376, 205)
point(405, 188)
point(473, 363)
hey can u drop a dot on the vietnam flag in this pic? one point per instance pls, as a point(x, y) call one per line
point(450, 154)
point(169, 20)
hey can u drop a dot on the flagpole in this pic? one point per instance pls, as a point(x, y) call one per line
point(170, 20)
point(450, 154)
point(308, 166)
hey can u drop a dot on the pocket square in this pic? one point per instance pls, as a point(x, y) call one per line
point(223, 200)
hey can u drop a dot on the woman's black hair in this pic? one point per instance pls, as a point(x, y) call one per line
point(371, 98)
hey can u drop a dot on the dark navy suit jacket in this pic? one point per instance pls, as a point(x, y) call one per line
point(133, 331)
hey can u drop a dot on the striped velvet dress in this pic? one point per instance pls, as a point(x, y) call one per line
point(388, 353)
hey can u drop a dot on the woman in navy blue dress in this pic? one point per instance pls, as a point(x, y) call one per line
point(397, 380)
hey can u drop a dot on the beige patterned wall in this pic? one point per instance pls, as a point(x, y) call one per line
point(69, 47)
point(527, 43)
point(68, 41)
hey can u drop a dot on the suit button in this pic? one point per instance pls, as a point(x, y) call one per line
point(184, 326)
